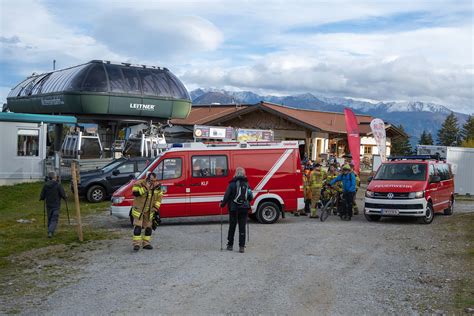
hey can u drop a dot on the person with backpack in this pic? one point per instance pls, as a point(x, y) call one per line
point(237, 197)
point(52, 193)
point(348, 180)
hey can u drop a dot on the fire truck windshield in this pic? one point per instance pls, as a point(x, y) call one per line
point(402, 171)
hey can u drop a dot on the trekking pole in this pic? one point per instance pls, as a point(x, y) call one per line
point(248, 230)
point(67, 211)
point(221, 230)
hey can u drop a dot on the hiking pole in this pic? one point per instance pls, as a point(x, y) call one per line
point(67, 211)
point(248, 231)
point(221, 229)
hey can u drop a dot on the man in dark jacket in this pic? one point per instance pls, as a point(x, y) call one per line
point(237, 197)
point(52, 194)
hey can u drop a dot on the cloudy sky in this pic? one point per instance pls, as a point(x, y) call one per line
point(378, 50)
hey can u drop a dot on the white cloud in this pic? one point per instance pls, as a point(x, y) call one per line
point(255, 45)
point(156, 35)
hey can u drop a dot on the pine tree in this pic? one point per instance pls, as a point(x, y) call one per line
point(449, 135)
point(426, 139)
point(401, 145)
point(467, 131)
point(429, 139)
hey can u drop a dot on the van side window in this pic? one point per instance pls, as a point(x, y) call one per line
point(170, 168)
point(443, 171)
point(209, 166)
point(432, 171)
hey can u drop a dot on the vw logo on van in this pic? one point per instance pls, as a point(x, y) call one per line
point(390, 196)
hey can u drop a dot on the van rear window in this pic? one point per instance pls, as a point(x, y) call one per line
point(402, 171)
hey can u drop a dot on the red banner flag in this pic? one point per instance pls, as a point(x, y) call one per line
point(353, 138)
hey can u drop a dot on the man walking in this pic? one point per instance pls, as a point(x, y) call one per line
point(237, 197)
point(145, 209)
point(348, 190)
point(52, 193)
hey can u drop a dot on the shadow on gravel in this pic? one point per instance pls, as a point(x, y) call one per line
point(405, 220)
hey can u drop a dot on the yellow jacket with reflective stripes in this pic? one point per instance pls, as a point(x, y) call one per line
point(317, 178)
point(338, 186)
point(149, 197)
point(307, 187)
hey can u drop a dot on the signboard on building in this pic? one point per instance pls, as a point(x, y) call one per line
point(254, 135)
point(213, 132)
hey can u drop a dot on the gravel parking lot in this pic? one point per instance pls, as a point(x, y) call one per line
point(298, 265)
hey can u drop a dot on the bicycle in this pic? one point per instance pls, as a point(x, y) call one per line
point(335, 200)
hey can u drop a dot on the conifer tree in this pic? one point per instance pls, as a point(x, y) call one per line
point(401, 145)
point(426, 138)
point(448, 134)
point(467, 131)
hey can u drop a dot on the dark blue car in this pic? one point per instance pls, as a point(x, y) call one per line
point(99, 184)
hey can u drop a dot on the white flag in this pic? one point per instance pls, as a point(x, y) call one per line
point(378, 129)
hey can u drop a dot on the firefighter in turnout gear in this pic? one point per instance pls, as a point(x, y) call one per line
point(355, 208)
point(145, 210)
point(307, 192)
point(316, 183)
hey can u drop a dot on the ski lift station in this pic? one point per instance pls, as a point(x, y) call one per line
point(118, 109)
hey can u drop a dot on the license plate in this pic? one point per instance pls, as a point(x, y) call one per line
point(390, 212)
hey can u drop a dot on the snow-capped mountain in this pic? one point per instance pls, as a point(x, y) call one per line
point(415, 116)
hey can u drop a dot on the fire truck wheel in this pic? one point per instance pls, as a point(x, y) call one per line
point(429, 215)
point(95, 194)
point(268, 213)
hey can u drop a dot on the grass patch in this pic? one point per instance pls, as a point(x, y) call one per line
point(21, 201)
point(461, 228)
point(32, 265)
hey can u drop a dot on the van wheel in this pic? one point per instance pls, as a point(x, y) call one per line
point(268, 213)
point(372, 218)
point(429, 215)
point(450, 209)
point(96, 194)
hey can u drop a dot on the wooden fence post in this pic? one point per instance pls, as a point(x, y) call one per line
point(74, 173)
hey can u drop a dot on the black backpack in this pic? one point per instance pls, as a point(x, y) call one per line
point(241, 193)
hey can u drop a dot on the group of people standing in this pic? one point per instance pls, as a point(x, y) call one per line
point(319, 185)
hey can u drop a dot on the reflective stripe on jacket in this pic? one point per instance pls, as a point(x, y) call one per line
point(149, 197)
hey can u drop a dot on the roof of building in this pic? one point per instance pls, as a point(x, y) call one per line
point(200, 115)
point(36, 118)
point(330, 122)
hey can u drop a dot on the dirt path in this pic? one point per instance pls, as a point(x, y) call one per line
point(295, 266)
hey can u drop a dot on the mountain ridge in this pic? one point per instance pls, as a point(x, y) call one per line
point(413, 115)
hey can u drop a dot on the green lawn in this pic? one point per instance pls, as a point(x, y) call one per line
point(21, 201)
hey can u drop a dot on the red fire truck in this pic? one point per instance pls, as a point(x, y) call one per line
point(195, 176)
